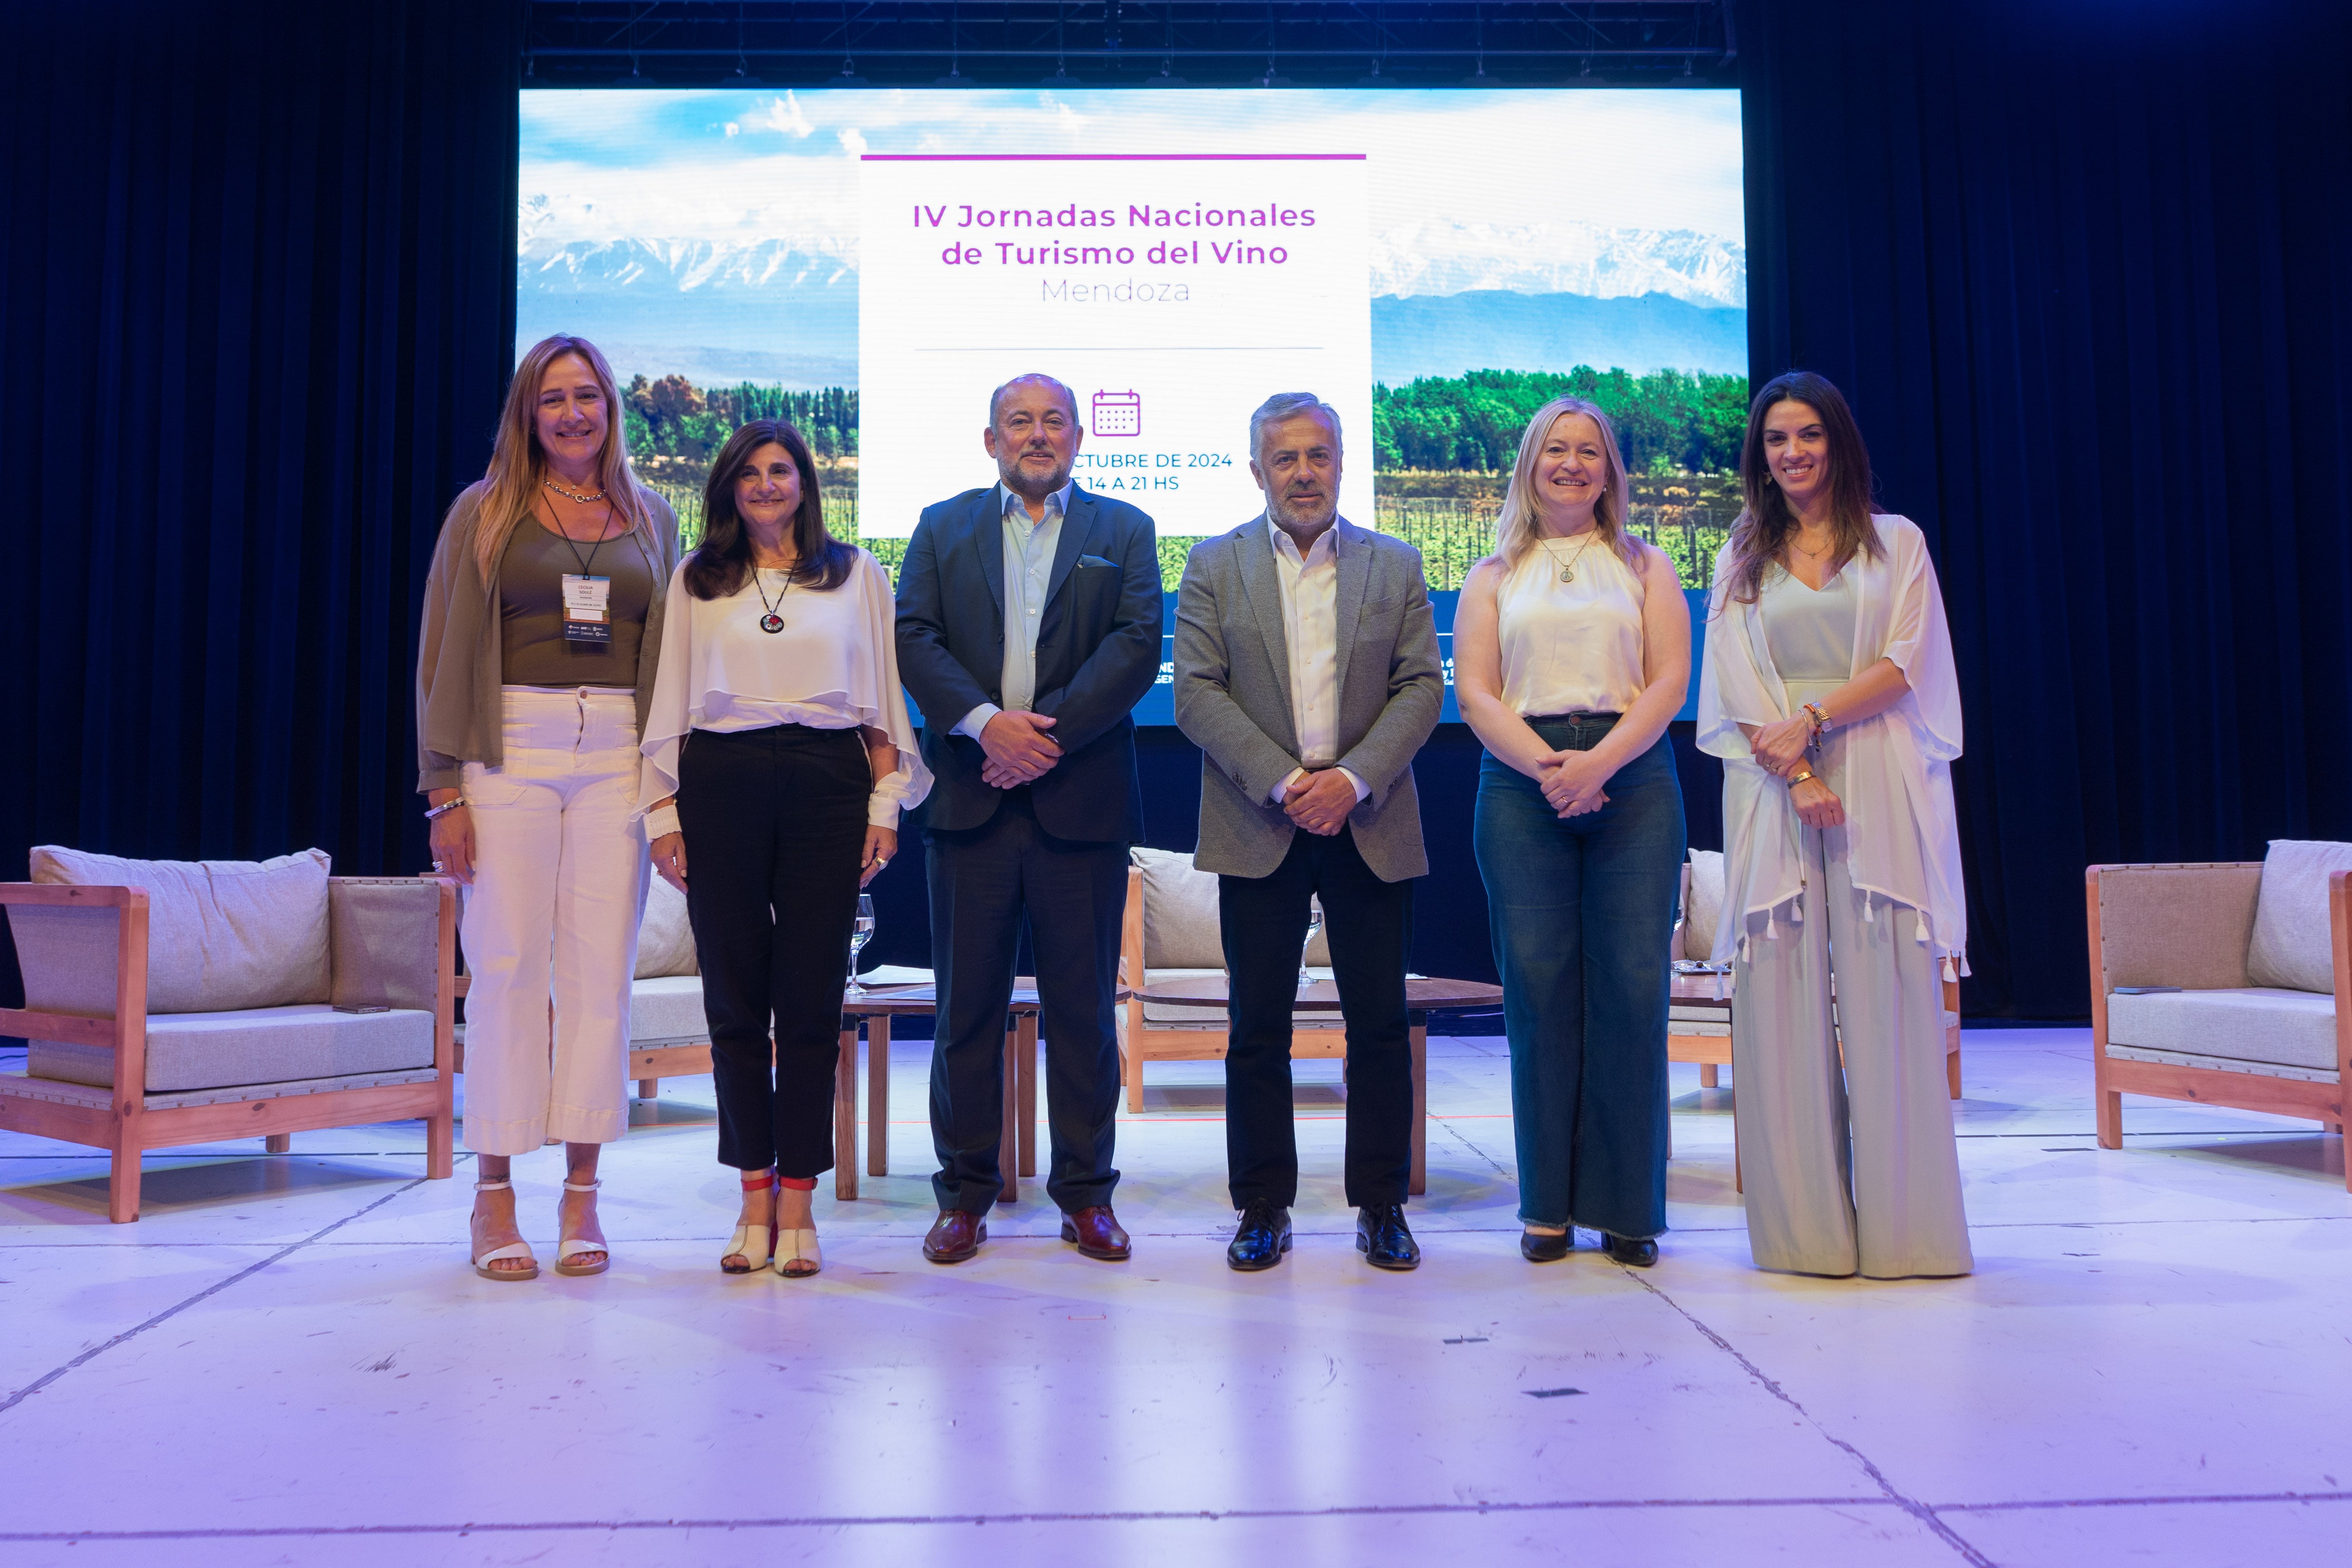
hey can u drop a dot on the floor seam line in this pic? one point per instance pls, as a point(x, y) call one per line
point(1458, 1138)
point(834, 1521)
point(2194, 1500)
point(1910, 1505)
point(168, 1313)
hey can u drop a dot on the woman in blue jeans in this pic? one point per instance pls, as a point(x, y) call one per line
point(1571, 648)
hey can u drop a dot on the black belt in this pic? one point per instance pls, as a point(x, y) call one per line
point(1578, 717)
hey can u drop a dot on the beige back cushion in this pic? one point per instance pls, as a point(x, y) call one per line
point(1705, 911)
point(221, 934)
point(1180, 915)
point(2289, 947)
point(665, 940)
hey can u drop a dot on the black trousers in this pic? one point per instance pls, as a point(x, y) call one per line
point(1369, 926)
point(774, 822)
point(985, 881)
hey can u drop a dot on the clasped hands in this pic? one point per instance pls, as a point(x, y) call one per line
point(1019, 749)
point(1780, 750)
point(1570, 782)
point(1320, 802)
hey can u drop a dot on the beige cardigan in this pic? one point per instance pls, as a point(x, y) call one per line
point(458, 655)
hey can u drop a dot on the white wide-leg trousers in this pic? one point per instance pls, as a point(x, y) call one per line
point(558, 887)
point(1849, 1168)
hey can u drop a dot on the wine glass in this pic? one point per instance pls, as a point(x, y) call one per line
point(1313, 924)
point(861, 931)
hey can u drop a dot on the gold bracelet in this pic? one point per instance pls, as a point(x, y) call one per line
point(1796, 779)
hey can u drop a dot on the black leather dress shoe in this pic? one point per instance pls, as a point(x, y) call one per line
point(1263, 1238)
point(1626, 1250)
point(1537, 1248)
point(1382, 1239)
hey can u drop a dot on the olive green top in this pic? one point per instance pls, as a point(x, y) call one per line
point(460, 656)
point(533, 651)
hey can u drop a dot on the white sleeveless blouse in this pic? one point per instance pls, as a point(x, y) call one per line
point(1571, 647)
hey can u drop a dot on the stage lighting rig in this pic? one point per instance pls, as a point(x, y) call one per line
point(1370, 42)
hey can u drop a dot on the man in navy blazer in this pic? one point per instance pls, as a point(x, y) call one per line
point(1028, 627)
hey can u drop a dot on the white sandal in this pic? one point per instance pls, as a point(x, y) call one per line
point(797, 1257)
point(571, 1247)
point(512, 1250)
point(749, 1242)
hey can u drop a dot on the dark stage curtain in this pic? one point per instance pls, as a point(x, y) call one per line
point(257, 294)
point(2082, 269)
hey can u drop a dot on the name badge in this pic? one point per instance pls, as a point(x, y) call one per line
point(587, 615)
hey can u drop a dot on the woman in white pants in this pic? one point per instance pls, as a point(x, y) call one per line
point(1830, 693)
point(543, 628)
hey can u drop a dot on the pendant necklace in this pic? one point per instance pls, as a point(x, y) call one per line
point(772, 622)
point(1567, 572)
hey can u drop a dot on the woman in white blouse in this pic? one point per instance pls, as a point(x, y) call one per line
point(779, 754)
point(1572, 652)
point(1828, 692)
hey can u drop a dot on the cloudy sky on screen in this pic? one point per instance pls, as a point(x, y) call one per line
point(629, 198)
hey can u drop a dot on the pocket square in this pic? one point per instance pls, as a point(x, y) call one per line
point(1097, 561)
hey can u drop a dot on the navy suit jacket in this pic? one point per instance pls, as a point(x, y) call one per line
point(1097, 653)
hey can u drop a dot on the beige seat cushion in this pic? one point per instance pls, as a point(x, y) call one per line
point(665, 937)
point(1180, 916)
point(1175, 1015)
point(232, 1048)
point(222, 935)
point(2289, 947)
point(1705, 911)
point(667, 1007)
point(2256, 1024)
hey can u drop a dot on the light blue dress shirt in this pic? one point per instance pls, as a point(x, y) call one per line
point(1028, 573)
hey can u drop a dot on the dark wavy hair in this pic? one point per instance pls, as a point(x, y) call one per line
point(721, 563)
point(1765, 524)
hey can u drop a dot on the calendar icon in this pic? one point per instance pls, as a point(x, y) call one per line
point(1118, 413)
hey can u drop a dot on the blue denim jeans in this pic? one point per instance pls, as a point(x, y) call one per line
point(1582, 911)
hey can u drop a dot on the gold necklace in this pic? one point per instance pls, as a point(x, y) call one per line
point(1567, 572)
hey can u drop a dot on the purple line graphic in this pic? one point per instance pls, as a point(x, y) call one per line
point(1110, 157)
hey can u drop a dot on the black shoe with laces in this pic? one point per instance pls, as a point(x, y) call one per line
point(1382, 1239)
point(1263, 1238)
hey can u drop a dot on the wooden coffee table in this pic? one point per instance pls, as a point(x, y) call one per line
point(870, 1014)
point(1421, 998)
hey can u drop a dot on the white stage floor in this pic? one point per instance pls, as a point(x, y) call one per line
point(287, 1360)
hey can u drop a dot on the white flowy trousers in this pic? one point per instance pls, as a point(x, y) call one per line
point(1849, 1167)
point(558, 887)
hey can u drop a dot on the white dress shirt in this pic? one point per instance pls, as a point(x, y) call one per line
point(1310, 626)
point(1028, 573)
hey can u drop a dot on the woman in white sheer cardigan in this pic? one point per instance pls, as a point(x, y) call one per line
point(779, 755)
point(1830, 693)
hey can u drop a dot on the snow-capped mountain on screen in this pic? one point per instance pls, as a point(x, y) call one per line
point(681, 266)
point(1436, 257)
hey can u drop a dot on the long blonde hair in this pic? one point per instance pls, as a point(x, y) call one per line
point(1520, 524)
point(517, 464)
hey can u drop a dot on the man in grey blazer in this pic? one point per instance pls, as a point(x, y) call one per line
point(1307, 671)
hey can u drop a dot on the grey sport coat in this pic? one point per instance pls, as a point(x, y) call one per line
point(1232, 695)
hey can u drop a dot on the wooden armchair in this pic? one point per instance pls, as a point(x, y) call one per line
point(1698, 1026)
point(103, 1070)
point(2193, 998)
point(1148, 1033)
